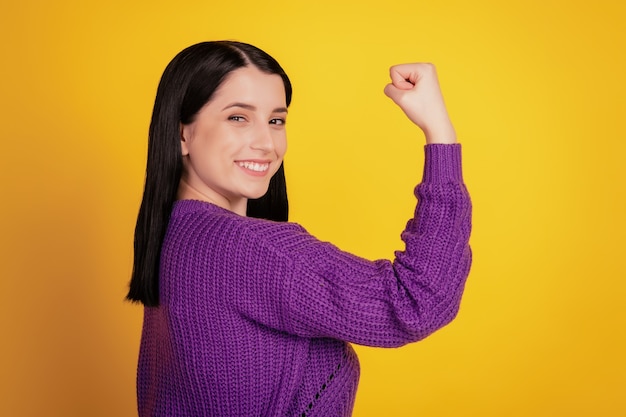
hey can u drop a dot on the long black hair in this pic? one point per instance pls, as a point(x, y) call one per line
point(188, 83)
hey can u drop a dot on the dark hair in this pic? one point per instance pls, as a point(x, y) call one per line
point(188, 83)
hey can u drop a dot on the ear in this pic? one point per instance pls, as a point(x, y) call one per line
point(184, 136)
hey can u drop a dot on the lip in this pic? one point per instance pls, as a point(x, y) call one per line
point(252, 172)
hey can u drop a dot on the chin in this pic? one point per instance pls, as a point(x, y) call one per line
point(256, 194)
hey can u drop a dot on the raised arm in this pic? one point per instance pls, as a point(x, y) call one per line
point(321, 291)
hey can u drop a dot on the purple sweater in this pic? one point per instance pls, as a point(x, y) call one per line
point(256, 316)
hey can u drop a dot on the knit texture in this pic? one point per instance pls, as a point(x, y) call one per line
point(256, 317)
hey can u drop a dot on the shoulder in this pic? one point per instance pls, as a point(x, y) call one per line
point(201, 223)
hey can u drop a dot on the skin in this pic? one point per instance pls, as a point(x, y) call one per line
point(237, 141)
point(415, 89)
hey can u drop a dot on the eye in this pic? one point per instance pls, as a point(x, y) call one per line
point(237, 118)
point(278, 121)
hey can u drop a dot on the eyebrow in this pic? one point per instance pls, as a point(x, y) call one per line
point(253, 108)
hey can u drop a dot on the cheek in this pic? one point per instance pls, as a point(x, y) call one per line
point(212, 146)
point(281, 145)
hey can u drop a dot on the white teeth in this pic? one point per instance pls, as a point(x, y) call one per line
point(254, 166)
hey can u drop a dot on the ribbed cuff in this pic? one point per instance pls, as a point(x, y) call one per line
point(442, 163)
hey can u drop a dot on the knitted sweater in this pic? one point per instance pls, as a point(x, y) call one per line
point(256, 317)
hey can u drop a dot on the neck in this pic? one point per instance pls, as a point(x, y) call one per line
point(187, 191)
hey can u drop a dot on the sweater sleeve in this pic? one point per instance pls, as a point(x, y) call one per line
point(321, 291)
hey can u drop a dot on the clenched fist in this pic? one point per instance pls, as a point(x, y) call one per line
point(415, 88)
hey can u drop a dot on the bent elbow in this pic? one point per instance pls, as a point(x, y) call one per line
point(431, 322)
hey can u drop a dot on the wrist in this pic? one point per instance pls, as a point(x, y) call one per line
point(441, 135)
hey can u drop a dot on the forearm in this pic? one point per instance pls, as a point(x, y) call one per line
point(435, 263)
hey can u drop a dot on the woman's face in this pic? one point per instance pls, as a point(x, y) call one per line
point(236, 142)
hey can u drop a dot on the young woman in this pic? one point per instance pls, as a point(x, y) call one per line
point(247, 314)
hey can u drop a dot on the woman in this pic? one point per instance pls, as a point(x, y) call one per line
point(245, 313)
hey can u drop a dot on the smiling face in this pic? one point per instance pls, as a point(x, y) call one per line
point(236, 142)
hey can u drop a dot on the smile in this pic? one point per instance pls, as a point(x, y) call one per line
point(254, 166)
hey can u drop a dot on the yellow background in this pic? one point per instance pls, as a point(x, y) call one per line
point(536, 91)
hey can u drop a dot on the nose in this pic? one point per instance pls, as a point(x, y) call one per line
point(263, 139)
